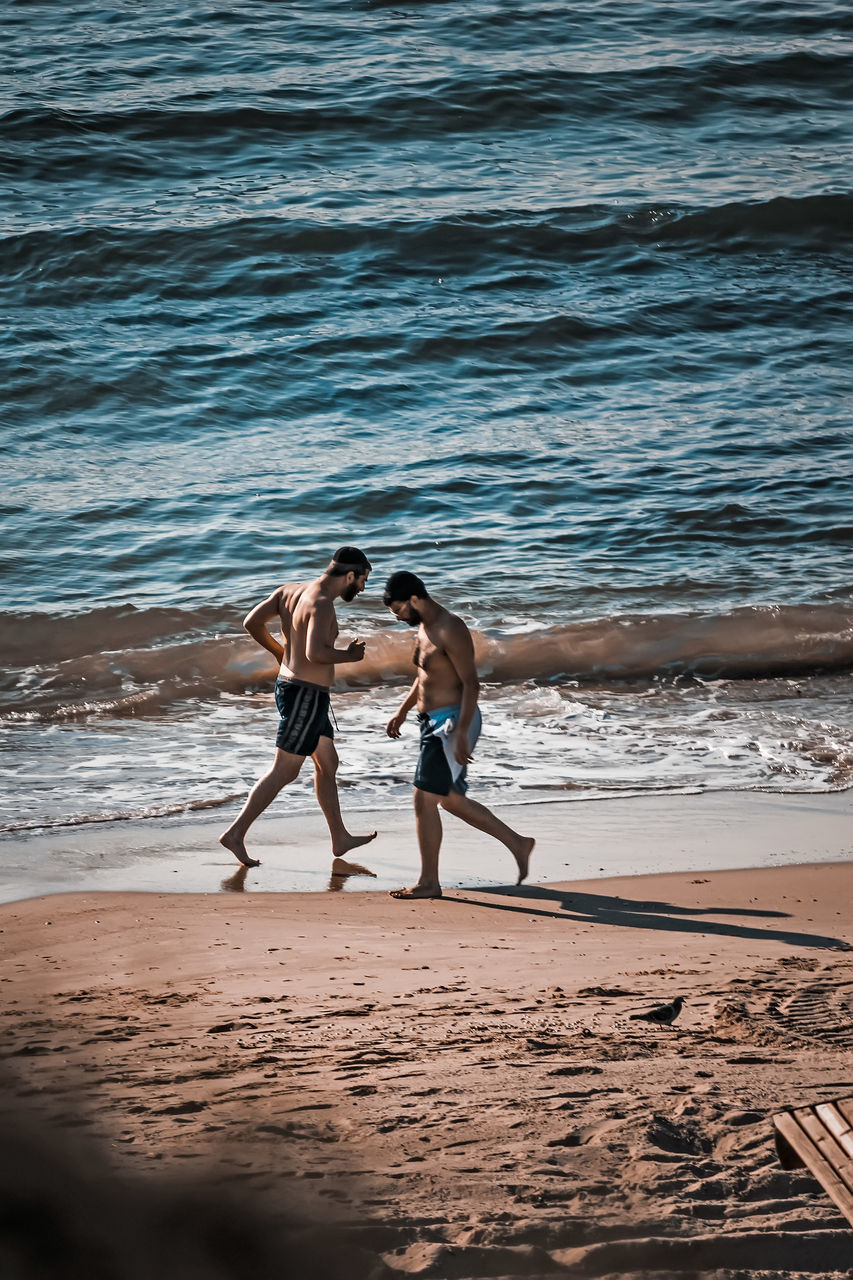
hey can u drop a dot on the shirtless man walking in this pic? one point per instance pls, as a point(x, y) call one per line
point(308, 657)
point(445, 691)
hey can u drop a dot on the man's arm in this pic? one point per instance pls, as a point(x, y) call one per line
point(256, 621)
point(395, 724)
point(459, 648)
point(320, 638)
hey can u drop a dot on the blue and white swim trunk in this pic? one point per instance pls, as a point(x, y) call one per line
point(438, 770)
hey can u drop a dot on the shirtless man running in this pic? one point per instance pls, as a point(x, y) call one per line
point(445, 692)
point(308, 657)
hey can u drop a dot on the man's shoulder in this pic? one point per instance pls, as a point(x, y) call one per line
point(312, 598)
point(289, 593)
point(452, 625)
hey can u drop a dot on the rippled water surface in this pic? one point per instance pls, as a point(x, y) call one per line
point(549, 304)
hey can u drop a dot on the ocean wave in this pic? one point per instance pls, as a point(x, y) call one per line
point(93, 256)
point(748, 642)
point(548, 22)
point(52, 822)
point(391, 99)
point(56, 638)
point(116, 681)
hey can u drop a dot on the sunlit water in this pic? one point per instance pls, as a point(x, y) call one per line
point(550, 306)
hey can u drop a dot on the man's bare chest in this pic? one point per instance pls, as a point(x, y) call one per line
point(429, 656)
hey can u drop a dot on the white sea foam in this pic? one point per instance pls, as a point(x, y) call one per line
point(605, 741)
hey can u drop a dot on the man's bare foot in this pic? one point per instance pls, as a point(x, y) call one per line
point(418, 891)
point(341, 867)
point(351, 842)
point(522, 857)
point(234, 844)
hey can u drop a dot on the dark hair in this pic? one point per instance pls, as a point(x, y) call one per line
point(348, 560)
point(403, 585)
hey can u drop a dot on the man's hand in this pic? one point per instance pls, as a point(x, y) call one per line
point(462, 752)
point(395, 724)
point(355, 650)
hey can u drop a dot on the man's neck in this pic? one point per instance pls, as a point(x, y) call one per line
point(429, 610)
point(329, 586)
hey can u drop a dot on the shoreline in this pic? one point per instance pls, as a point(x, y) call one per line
point(576, 839)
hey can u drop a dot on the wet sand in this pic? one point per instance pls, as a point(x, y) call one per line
point(459, 1083)
point(575, 840)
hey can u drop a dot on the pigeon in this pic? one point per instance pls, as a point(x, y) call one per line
point(663, 1015)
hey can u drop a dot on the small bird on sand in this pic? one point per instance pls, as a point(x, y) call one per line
point(663, 1015)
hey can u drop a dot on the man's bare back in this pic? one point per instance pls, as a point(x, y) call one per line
point(309, 629)
point(304, 609)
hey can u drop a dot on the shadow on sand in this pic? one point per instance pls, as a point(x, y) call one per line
point(667, 917)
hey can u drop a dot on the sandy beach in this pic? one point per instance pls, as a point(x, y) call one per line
point(452, 1088)
point(545, 306)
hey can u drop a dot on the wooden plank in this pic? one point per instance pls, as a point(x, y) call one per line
point(845, 1106)
point(810, 1156)
point(788, 1136)
point(827, 1145)
point(837, 1125)
point(815, 1160)
point(833, 1119)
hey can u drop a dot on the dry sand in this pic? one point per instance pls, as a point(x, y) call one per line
point(459, 1083)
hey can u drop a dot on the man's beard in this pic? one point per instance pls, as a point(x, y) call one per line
point(349, 593)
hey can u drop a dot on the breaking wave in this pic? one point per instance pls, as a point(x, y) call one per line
point(135, 662)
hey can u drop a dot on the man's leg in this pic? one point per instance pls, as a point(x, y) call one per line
point(326, 787)
point(285, 768)
point(477, 815)
point(428, 823)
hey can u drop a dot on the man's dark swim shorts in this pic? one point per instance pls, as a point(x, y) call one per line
point(304, 711)
point(438, 771)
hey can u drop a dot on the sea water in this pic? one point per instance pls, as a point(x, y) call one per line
point(547, 303)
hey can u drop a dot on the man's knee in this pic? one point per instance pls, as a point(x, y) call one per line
point(285, 767)
point(452, 802)
point(326, 760)
point(425, 801)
